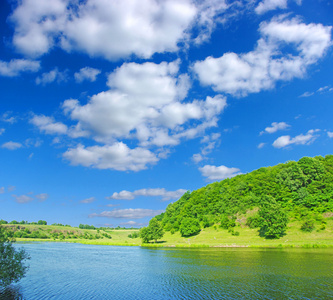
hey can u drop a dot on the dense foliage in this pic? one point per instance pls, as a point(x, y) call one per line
point(12, 267)
point(154, 231)
point(292, 188)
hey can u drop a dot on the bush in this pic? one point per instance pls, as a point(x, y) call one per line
point(308, 225)
point(189, 227)
point(254, 221)
point(227, 222)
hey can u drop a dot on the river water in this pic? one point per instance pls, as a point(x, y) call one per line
point(75, 271)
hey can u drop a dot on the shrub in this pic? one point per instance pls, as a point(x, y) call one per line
point(308, 225)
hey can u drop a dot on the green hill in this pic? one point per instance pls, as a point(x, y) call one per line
point(291, 193)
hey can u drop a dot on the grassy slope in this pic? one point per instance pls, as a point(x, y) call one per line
point(208, 237)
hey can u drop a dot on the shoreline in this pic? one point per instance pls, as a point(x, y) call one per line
point(183, 246)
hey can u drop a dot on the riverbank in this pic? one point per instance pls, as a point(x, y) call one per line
point(213, 237)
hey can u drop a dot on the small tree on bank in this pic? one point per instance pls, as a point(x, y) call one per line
point(12, 267)
point(154, 231)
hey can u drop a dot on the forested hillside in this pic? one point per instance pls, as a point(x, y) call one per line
point(301, 190)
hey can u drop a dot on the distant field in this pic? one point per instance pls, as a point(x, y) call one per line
point(210, 237)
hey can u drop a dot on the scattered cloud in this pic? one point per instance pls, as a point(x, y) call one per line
point(275, 126)
point(132, 224)
point(117, 156)
point(306, 94)
point(286, 140)
point(8, 118)
point(88, 200)
point(166, 195)
point(128, 213)
point(218, 173)
point(267, 5)
point(53, 75)
point(211, 142)
point(2, 130)
point(11, 145)
point(42, 197)
point(86, 74)
point(261, 145)
point(330, 134)
point(252, 72)
point(11, 188)
point(321, 90)
point(2, 190)
point(17, 66)
point(22, 199)
point(48, 125)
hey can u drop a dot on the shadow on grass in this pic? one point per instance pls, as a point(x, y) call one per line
point(262, 233)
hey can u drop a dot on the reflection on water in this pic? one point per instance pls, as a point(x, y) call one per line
point(74, 271)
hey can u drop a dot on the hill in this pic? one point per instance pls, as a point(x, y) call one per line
point(300, 192)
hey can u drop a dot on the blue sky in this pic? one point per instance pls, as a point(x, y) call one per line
point(111, 110)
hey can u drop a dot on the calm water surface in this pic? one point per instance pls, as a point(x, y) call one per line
point(74, 271)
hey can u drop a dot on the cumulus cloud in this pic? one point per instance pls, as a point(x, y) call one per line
point(117, 156)
point(275, 126)
point(17, 66)
point(145, 102)
point(87, 73)
point(11, 145)
point(53, 75)
point(166, 195)
point(210, 142)
point(240, 74)
point(302, 139)
point(22, 199)
point(88, 200)
point(48, 125)
point(140, 27)
point(218, 173)
point(330, 134)
point(128, 213)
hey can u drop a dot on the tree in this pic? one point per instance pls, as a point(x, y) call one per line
point(274, 219)
point(12, 267)
point(154, 231)
point(189, 226)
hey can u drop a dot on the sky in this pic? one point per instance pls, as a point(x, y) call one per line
point(111, 110)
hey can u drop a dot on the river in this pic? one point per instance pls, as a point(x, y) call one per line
point(75, 271)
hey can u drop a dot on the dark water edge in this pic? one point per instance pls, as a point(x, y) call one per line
point(76, 271)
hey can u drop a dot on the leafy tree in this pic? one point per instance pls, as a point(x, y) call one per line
point(12, 267)
point(189, 227)
point(154, 231)
point(227, 222)
point(41, 222)
point(274, 219)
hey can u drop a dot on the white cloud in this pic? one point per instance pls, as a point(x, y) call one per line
point(132, 223)
point(218, 173)
point(145, 102)
point(261, 145)
point(140, 27)
point(286, 140)
point(268, 5)
point(17, 66)
point(117, 156)
point(87, 73)
point(330, 134)
point(88, 200)
point(48, 125)
point(128, 213)
point(275, 126)
point(166, 195)
point(11, 145)
point(42, 197)
point(6, 117)
point(306, 94)
point(22, 199)
point(210, 141)
point(53, 75)
point(2, 130)
point(2, 190)
point(262, 68)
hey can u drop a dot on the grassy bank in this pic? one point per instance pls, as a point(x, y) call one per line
point(208, 237)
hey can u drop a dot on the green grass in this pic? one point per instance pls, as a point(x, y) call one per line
point(208, 237)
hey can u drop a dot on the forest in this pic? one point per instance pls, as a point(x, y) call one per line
point(269, 198)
